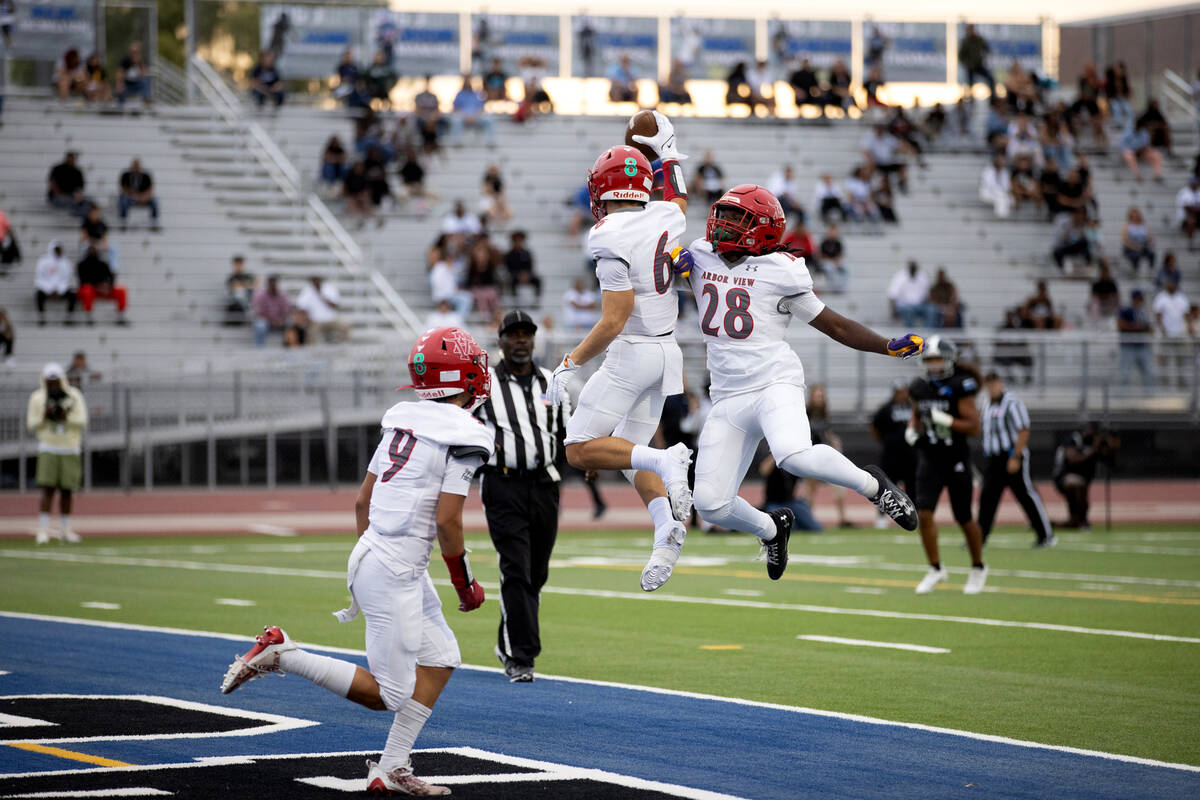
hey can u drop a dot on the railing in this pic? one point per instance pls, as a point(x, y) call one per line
point(1178, 92)
point(169, 82)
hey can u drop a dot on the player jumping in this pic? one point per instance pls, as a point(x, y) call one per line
point(620, 405)
point(413, 492)
point(748, 291)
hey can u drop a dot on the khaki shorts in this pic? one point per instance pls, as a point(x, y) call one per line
point(56, 471)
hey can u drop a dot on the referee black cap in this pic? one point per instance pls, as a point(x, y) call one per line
point(515, 319)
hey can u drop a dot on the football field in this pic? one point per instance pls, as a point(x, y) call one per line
point(1091, 646)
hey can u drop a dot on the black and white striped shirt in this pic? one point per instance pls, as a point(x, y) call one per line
point(1003, 419)
point(529, 433)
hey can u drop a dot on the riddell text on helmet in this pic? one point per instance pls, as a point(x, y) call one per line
point(627, 194)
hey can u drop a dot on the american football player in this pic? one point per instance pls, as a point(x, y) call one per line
point(413, 492)
point(748, 290)
point(620, 406)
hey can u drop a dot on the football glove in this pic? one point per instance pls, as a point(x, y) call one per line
point(663, 142)
point(556, 392)
point(911, 436)
point(941, 422)
point(906, 346)
point(682, 262)
point(470, 593)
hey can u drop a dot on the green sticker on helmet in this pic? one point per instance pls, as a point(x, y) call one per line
point(631, 166)
point(419, 364)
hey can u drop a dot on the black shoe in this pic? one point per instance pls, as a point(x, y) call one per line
point(777, 548)
point(519, 673)
point(893, 502)
point(1047, 543)
point(599, 511)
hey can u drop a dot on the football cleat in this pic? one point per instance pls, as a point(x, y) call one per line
point(401, 782)
point(976, 578)
point(776, 550)
point(42, 536)
point(662, 559)
point(517, 673)
point(676, 480)
point(893, 502)
point(1045, 544)
point(932, 578)
point(258, 660)
point(69, 536)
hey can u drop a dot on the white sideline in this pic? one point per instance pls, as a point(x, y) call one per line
point(985, 737)
point(204, 566)
point(916, 648)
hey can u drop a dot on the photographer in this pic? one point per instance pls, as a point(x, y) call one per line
point(1075, 469)
point(57, 415)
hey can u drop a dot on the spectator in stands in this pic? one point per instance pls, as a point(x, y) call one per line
point(266, 81)
point(357, 195)
point(1049, 185)
point(97, 281)
point(443, 280)
point(1169, 272)
point(1073, 193)
point(762, 87)
point(321, 303)
point(675, 89)
point(375, 172)
point(10, 251)
point(1134, 327)
point(996, 126)
point(468, 113)
point(536, 99)
point(493, 204)
point(239, 292)
point(1024, 181)
point(53, 279)
point(79, 374)
point(97, 89)
point(934, 123)
point(461, 224)
point(380, 77)
point(881, 148)
point(133, 77)
point(872, 85)
point(1086, 105)
point(798, 241)
point(1071, 238)
point(908, 295)
point(8, 336)
point(1023, 140)
point(786, 188)
point(622, 84)
point(483, 279)
point(428, 114)
point(737, 90)
point(1136, 147)
point(137, 189)
point(858, 205)
point(838, 93)
point(900, 125)
point(1020, 88)
point(995, 186)
point(1152, 120)
point(1171, 311)
point(827, 199)
point(444, 316)
point(333, 165)
point(581, 307)
point(837, 277)
point(93, 232)
point(1137, 245)
point(943, 296)
point(881, 196)
point(271, 309)
point(518, 261)
point(347, 74)
point(807, 87)
point(710, 178)
point(70, 79)
point(495, 82)
point(973, 51)
point(876, 44)
point(1055, 138)
point(1187, 208)
point(295, 332)
point(1118, 93)
point(65, 186)
point(1038, 310)
point(1105, 298)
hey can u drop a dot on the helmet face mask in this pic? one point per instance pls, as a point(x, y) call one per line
point(939, 357)
point(747, 219)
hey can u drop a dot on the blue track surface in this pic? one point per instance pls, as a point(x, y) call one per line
point(747, 751)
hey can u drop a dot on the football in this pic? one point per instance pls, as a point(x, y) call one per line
point(642, 124)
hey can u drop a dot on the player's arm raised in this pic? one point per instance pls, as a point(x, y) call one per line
point(857, 336)
point(663, 144)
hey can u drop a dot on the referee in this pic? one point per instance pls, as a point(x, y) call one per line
point(1005, 443)
point(520, 489)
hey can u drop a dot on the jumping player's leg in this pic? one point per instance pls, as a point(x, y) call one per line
point(727, 444)
point(958, 486)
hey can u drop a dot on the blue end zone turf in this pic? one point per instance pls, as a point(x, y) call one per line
point(743, 750)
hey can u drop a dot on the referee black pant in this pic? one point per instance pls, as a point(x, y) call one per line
point(996, 478)
point(522, 517)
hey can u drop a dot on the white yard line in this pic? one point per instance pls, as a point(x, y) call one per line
point(632, 687)
point(916, 648)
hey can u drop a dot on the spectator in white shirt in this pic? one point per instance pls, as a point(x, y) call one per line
point(52, 281)
point(784, 186)
point(827, 199)
point(995, 186)
point(758, 79)
point(460, 222)
point(444, 316)
point(1023, 140)
point(320, 302)
point(859, 206)
point(1187, 208)
point(1171, 309)
point(882, 149)
point(443, 284)
point(581, 307)
point(908, 295)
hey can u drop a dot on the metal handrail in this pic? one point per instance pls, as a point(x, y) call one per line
point(1178, 91)
point(171, 85)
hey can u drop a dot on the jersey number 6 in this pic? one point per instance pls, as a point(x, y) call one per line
point(738, 322)
point(664, 269)
point(399, 450)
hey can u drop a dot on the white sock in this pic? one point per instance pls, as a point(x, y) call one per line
point(43, 521)
point(330, 673)
point(66, 521)
point(660, 512)
point(739, 515)
point(824, 463)
point(405, 727)
point(646, 458)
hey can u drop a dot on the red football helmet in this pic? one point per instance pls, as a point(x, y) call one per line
point(447, 361)
point(620, 173)
point(747, 219)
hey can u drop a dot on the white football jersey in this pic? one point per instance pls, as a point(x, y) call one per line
point(642, 239)
point(745, 309)
point(427, 448)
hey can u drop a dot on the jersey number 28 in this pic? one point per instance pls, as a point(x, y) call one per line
point(738, 321)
